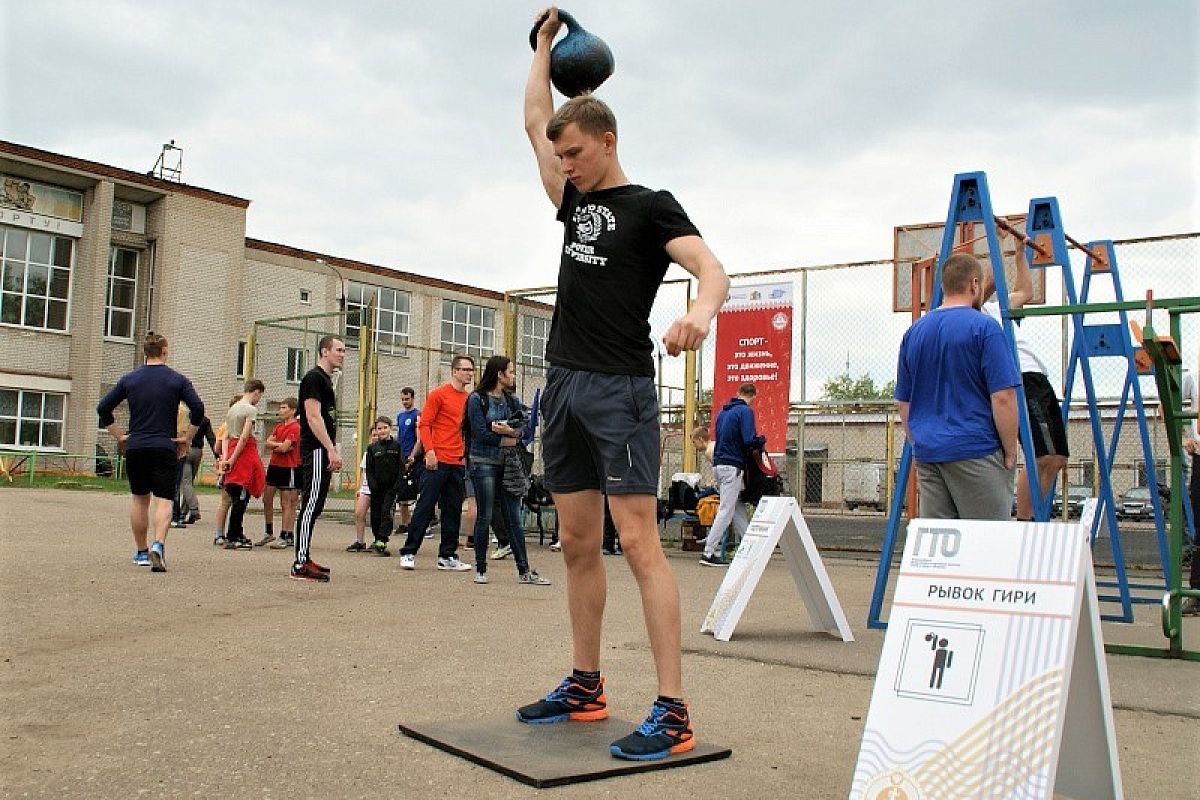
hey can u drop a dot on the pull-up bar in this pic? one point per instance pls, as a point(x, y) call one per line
point(1097, 255)
point(1001, 222)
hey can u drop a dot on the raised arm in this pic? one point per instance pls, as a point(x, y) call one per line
point(1022, 288)
point(688, 332)
point(539, 107)
point(1021, 292)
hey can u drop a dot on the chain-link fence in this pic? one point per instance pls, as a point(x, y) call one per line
point(845, 438)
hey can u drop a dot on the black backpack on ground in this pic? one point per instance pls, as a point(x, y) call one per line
point(762, 477)
point(537, 495)
point(682, 497)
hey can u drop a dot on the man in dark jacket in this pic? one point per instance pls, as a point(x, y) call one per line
point(152, 444)
point(735, 433)
point(385, 468)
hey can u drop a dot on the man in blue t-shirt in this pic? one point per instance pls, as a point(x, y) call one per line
point(406, 435)
point(955, 385)
point(406, 421)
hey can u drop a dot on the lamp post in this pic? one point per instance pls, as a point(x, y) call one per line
point(341, 281)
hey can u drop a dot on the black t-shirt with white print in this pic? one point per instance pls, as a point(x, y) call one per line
point(316, 385)
point(613, 261)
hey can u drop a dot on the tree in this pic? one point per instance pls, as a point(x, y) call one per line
point(845, 387)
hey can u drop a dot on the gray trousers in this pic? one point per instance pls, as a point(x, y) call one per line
point(975, 488)
point(187, 485)
point(731, 509)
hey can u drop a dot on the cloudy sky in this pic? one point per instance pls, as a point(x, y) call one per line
point(795, 133)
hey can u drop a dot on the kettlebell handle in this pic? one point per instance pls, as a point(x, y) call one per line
point(566, 18)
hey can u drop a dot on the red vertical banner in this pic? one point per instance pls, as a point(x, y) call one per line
point(754, 345)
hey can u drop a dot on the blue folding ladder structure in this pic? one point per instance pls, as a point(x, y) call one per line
point(1114, 340)
point(970, 201)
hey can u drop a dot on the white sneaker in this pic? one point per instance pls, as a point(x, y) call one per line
point(501, 552)
point(452, 564)
point(481, 577)
point(408, 562)
point(556, 546)
point(531, 578)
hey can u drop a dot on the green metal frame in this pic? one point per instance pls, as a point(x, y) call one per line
point(1168, 375)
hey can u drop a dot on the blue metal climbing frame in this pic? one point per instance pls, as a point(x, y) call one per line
point(970, 202)
point(1114, 340)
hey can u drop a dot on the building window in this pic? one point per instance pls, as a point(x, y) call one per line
point(122, 293)
point(295, 364)
point(467, 330)
point(35, 287)
point(391, 316)
point(241, 360)
point(535, 331)
point(306, 297)
point(31, 419)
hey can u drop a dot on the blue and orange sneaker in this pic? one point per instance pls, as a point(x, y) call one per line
point(667, 730)
point(571, 700)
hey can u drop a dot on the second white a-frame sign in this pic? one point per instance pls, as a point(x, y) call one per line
point(992, 680)
point(777, 521)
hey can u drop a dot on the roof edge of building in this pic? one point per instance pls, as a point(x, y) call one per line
point(375, 269)
point(108, 171)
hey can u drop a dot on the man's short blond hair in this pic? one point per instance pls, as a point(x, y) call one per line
point(958, 271)
point(593, 116)
point(154, 344)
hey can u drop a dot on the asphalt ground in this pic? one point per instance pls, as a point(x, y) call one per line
point(223, 678)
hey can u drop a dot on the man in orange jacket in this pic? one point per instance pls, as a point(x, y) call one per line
point(440, 432)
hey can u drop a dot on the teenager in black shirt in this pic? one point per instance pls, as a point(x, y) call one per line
point(600, 432)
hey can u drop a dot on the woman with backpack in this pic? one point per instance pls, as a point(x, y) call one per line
point(492, 426)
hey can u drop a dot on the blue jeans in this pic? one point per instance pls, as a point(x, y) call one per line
point(488, 480)
point(442, 487)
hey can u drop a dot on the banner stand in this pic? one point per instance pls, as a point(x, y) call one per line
point(994, 645)
point(777, 521)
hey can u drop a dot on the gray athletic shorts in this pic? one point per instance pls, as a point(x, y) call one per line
point(600, 432)
point(974, 488)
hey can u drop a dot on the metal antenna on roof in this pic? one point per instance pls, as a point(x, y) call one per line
point(169, 166)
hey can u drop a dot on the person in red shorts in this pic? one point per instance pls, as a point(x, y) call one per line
point(284, 446)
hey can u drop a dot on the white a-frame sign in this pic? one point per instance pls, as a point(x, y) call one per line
point(992, 680)
point(777, 521)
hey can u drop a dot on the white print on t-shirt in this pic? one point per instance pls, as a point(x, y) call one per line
point(585, 254)
point(590, 221)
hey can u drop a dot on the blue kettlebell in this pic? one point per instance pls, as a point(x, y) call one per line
point(580, 61)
